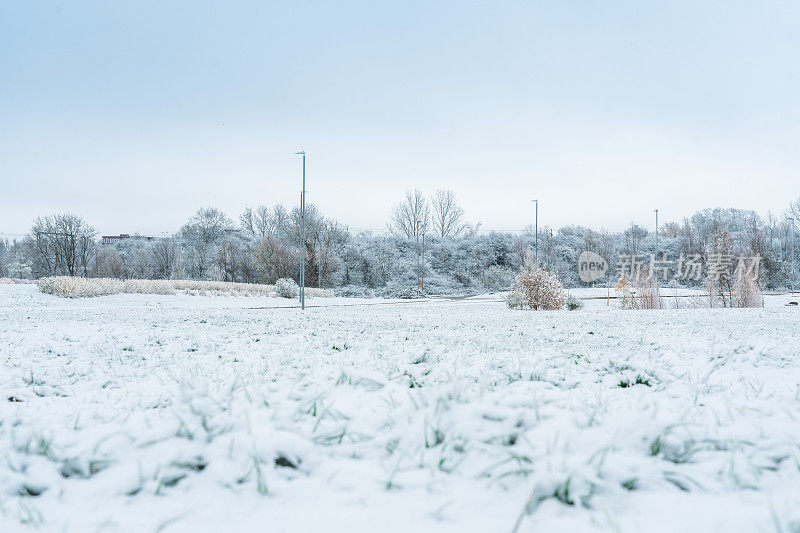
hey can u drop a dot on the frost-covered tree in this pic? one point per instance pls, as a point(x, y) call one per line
point(19, 267)
point(447, 217)
point(497, 278)
point(331, 239)
point(201, 235)
point(634, 236)
point(794, 209)
point(165, 258)
point(264, 221)
point(60, 244)
point(108, 263)
point(229, 259)
point(410, 218)
point(275, 259)
point(5, 257)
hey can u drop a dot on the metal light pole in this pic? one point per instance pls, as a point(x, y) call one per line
point(791, 250)
point(416, 247)
point(422, 266)
point(303, 236)
point(656, 232)
point(536, 232)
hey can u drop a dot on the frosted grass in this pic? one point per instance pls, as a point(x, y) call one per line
point(432, 417)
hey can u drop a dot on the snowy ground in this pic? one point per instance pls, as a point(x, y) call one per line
point(185, 413)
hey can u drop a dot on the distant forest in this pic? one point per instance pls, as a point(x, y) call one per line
point(430, 247)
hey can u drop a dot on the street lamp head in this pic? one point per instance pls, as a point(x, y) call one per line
point(299, 153)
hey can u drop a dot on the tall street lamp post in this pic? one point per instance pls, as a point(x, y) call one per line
point(303, 236)
point(656, 232)
point(791, 251)
point(536, 232)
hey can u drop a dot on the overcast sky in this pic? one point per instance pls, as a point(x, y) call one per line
point(134, 114)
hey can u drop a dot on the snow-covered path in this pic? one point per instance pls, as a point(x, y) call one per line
point(181, 413)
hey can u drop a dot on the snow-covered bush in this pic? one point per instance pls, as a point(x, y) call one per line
point(439, 284)
point(402, 290)
point(573, 303)
point(354, 291)
point(516, 300)
point(746, 292)
point(538, 289)
point(497, 278)
point(287, 288)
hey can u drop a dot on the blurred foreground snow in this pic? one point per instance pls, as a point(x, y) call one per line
point(186, 413)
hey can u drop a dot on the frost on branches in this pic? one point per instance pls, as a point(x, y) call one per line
point(537, 289)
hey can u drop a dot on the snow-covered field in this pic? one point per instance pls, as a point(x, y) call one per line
point(188, 413)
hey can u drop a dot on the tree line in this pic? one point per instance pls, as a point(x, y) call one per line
point(430, 247)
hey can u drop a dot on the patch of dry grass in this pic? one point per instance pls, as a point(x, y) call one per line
point(74, 287)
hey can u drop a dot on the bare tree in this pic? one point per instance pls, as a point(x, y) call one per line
point(108, 264)
point(293, 225)
point(447, 216)
point(332, 238)
point(165, 258)
point(264, 221)
point(411, 217)
point(274, 260)
point(229, 259)
point(61, 245)
point(247, 221)
point(633, 236)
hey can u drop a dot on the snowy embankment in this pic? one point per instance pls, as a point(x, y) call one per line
point(187, 413)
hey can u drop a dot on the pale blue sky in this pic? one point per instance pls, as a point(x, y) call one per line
point(134, 114)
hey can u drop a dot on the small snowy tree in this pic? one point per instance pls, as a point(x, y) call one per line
point(516, 300)
point(538, 289)
point(647, 292)
point(746, 292)
point(627, 300)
